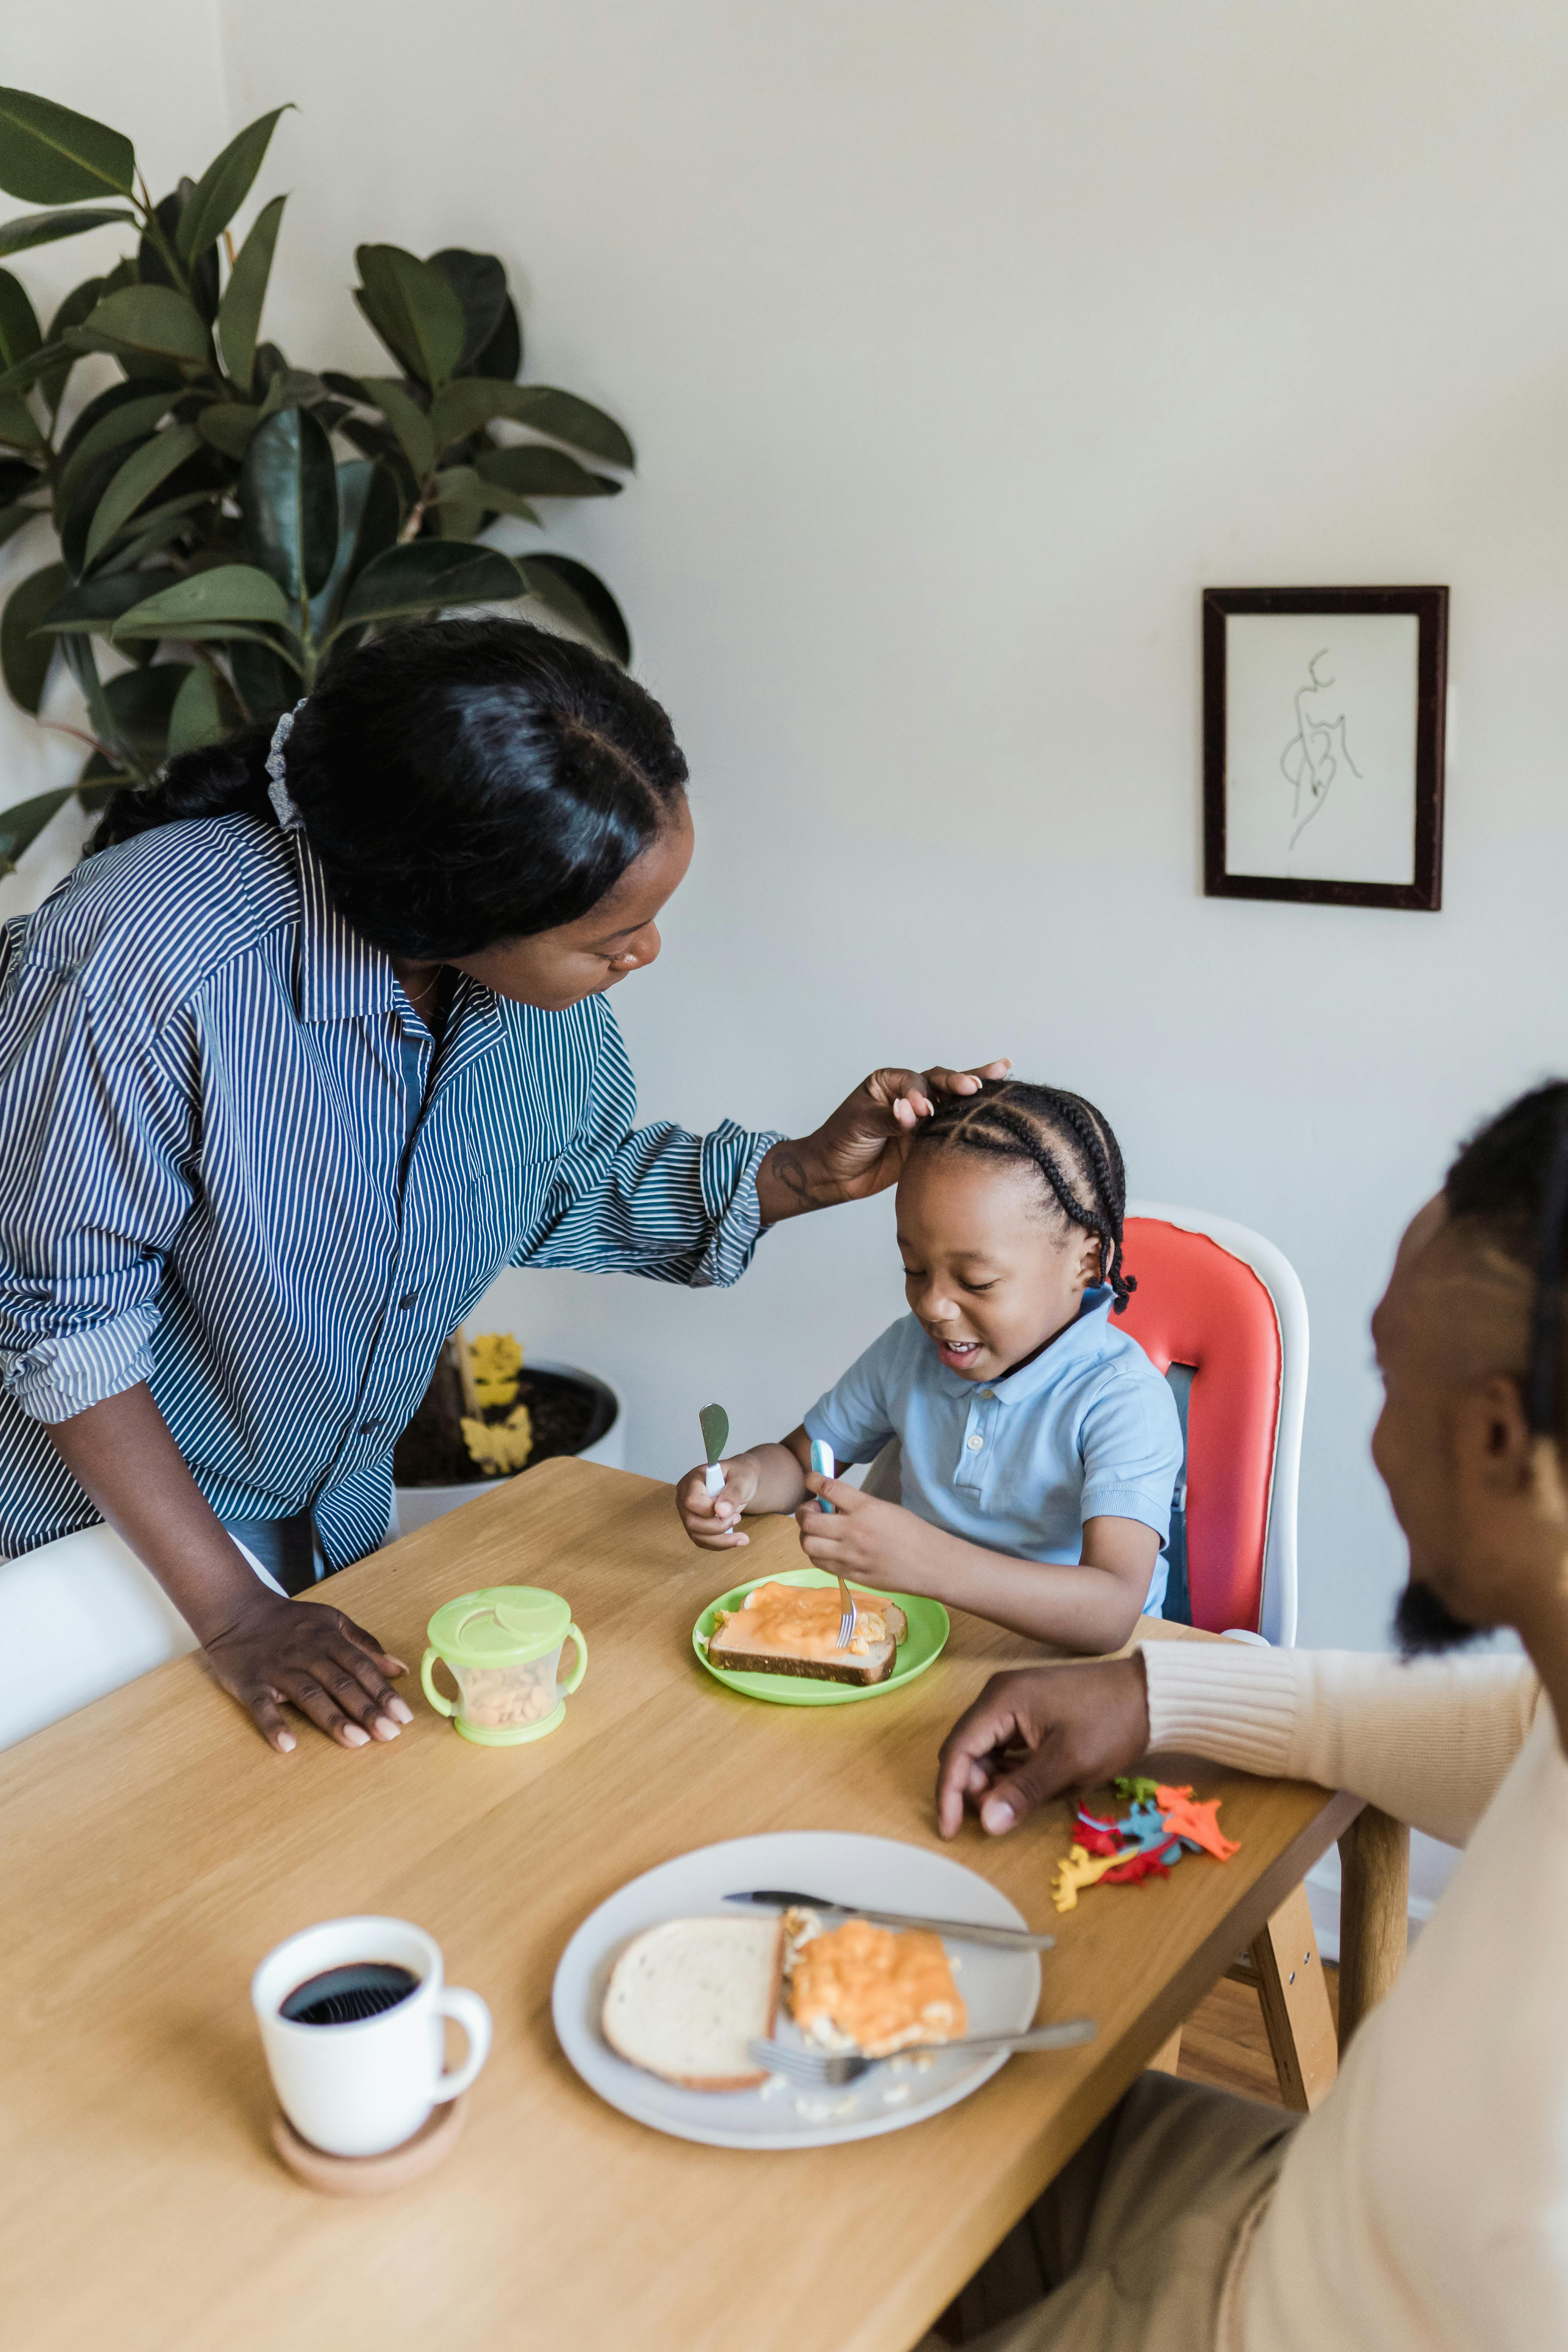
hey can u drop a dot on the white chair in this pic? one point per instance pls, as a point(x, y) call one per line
point(80, 1617)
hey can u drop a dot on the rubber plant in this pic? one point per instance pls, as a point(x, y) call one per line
point(228, 524)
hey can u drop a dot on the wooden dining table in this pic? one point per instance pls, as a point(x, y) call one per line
point(153, 1849)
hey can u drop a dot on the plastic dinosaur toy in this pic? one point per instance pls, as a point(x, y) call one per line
point(1162, 1824)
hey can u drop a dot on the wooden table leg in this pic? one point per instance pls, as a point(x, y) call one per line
point(1374, 1910)
point(1290, 1980)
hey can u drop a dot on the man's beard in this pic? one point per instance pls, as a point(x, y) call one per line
point(1423, 1623)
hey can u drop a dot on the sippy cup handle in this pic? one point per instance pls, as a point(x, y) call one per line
point(442, 1705)
point(580, 1668)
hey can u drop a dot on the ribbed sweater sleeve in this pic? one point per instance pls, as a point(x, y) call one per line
point(1429, 1743)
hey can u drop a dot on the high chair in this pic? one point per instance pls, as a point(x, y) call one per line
point(1220, 1311)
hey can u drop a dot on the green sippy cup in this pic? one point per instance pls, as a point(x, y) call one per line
point(503, 1646)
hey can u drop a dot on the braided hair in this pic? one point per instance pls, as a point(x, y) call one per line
point(1065, 1137)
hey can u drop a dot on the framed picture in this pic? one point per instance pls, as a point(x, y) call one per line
point(1323, 744)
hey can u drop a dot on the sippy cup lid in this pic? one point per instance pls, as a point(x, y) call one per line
point(500, 1625)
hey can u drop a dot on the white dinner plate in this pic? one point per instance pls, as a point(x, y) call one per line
point(1001, 1989)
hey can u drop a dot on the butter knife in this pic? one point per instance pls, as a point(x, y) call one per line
point(962, 1931)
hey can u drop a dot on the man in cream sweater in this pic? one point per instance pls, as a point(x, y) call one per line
point(1426, 2203)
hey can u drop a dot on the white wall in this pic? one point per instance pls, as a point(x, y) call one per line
point(963, 341)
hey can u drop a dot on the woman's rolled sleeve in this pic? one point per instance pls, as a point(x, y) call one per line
point(92, 1190)
point(653, 1201)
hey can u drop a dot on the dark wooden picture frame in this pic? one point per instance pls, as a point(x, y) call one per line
point(1430, 607)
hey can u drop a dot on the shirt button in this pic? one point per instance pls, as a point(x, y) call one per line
point(409, 1299)
point(975, 1443)
point(366, 1427)
point(987, 1396)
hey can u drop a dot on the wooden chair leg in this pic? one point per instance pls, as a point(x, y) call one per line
point(1167, 2058)
point(1374, 1912)
point(1289, 1975)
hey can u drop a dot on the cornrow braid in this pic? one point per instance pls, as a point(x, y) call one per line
point(1064, 1137)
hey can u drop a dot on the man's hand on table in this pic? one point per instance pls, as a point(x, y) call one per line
point(314, 1658)
point(1032, 1734)
point(859, 1149)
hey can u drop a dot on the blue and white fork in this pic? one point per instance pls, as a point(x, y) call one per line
point(822, 1462)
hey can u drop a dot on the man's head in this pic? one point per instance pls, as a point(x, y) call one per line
point(1477, 1488)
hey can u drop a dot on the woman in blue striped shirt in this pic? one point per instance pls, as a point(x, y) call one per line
point(316, 1045)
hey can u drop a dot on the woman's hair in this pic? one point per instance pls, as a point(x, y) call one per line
point(1065, 1137)
point(461, 782)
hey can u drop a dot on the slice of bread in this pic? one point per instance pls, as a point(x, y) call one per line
point(686, 1997)
point(792, 1628)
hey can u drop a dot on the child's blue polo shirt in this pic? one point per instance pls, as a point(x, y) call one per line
point(1088, 1430)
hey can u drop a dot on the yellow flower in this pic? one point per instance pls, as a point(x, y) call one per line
point(495, 1359)
point(501, 1449)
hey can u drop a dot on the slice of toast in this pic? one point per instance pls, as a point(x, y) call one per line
point(686, 1997)
point(784, 1629)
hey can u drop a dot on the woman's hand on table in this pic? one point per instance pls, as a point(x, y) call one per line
point(860, 1147)
point(312, 1657)
point(1032, 1734)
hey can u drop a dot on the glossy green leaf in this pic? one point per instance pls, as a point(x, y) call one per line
point(502, 355)
point(50, 156)
point(91, 608)
point(34, 367)
point(78, 304)
point(264, 685)
point(426, 575)
point(25, 658)
point(140, 703)
point(478, 281)
point(21, 825)
point(289, 502)
point(154, 320)
point(406, 418)
point(240, 312)
point(17, 478)
point(16, 518)
point(200, 278)
point(156, 528)
point(414, 310)
point(28, 229)
point(19, 429)
point(19, 334)
point(535, 470)
point(228, 425)
point(461, 485)
point(209, 603)
point(124, 420)
point(74, 514)
point(370, 516)
point(224, 185)
point(461, 408)
point(203, 711)
point(580, 597)
point(143, 472)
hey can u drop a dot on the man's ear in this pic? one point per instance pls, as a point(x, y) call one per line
point(1491, 1439)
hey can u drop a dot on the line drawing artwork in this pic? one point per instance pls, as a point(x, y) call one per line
point(1314, 754)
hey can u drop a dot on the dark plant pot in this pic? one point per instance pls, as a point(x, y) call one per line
point(577, 1413)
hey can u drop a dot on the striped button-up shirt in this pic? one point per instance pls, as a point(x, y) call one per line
point(235, 1164)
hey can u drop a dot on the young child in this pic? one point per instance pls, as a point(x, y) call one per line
point(1039, 1446)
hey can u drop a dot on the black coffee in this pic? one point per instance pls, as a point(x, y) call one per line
point(345, 1996)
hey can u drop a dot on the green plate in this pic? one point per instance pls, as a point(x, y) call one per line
point(927, 1637)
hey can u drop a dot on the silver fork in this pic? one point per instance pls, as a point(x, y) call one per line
point(829, 2070)
point(847, 1616)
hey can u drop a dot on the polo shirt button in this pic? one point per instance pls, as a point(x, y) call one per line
point(975, 1443)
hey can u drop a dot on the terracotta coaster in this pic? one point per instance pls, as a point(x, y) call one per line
point(371, 2176)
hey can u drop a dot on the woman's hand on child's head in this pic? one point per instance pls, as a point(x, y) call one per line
point(860, 1537)
point(1032, 1734)
point(714, 1521)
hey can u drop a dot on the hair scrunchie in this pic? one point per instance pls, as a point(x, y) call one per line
point(278, 792)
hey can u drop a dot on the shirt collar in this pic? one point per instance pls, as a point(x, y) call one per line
point(341, 974)
point(1068, 1352)
point(342, 977)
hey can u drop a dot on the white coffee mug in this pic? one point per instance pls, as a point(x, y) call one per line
point(361, 2088)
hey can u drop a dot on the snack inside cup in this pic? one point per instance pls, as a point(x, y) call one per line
point(503, 1646)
